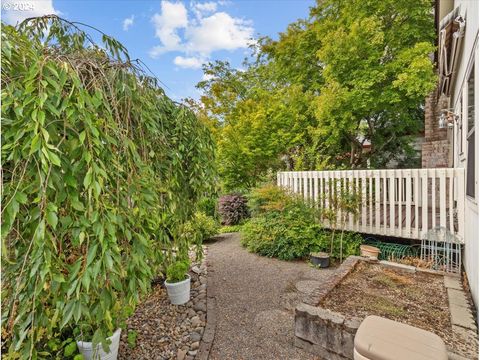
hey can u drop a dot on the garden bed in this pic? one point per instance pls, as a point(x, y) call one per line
point(415, 298)
point(165, 331)
point(327, 321)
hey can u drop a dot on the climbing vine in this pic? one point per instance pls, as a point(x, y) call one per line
point(100, 169)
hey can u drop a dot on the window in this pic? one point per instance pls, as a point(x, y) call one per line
point(460, 143)
point(471, 133)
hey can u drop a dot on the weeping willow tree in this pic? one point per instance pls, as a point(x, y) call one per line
point(100, 169)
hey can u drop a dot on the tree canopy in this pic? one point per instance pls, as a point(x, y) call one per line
point(354, 74)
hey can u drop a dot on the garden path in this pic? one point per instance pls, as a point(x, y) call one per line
point(255, 301)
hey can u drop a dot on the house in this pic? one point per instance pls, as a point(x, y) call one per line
point(452, 114)
point(444, 193)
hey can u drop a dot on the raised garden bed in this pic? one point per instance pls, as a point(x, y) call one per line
point(326, 325)
point(418, 299)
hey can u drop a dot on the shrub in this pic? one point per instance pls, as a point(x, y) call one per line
point(208, 206)
point(230, 229)
point(287, 227)
point(232, 209)
point(287, 232)
point(200, 228)
point(267, 198)
point(351, 244)
point(177, 271)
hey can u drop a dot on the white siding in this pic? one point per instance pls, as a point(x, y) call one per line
point(470, 11)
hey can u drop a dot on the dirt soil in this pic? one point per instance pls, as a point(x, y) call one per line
point(418, 299)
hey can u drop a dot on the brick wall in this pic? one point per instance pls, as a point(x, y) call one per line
point(436, 147)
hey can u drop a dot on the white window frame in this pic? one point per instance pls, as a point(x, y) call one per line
point(471, 132)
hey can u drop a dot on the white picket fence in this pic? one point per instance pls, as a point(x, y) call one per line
point(402, 202)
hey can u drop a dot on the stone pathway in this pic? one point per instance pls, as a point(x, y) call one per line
point(255, 301)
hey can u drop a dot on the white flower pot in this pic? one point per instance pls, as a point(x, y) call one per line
point(89, 353)
point(179, 292)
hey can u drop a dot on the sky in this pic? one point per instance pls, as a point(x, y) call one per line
point(174, 38)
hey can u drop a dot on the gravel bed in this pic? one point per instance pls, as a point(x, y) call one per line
point(166, 331)
point(255, 302)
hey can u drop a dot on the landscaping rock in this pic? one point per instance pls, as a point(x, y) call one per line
point(200, 306)
point(166, 330)
point(181, 354)
point(195, 336)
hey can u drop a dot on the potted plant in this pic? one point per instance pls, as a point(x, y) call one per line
point(178, 282)
point(97, 350)
point(320, 259)
point(98, 336)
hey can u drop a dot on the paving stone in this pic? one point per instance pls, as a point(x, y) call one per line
point(462, 316)
point(457, 297)
point(452, 282)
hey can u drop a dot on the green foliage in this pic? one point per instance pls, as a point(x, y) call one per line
point(132, 339)
point(230, 229)
point(377, 73)
point(208, 206)
point(232, 208)
point(267, 198)
point(200, 228)
point(100, 171)
point(355, 72)
point(177, 270)
point(286, 227)
point(287, 232)
point(343, 245)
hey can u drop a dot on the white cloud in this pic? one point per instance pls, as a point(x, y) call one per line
point(198, 36)
point(128, 22)
point(14, 11)
point(188, 62)
point(204, 8)
point(219, 31)
point(206, 77)
point(173, 17)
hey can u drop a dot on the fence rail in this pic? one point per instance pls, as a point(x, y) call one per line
point(402, 202)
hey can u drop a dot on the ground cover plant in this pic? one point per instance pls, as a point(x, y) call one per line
point(100, 172)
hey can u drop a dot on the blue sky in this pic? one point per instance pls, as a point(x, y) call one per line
point(174, 37)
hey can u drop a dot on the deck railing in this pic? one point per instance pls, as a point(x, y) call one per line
point(402, 202)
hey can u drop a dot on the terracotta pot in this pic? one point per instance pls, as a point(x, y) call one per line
point(369, 251)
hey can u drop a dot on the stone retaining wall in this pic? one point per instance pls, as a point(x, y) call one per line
point(321, 331)
point(325, 333)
